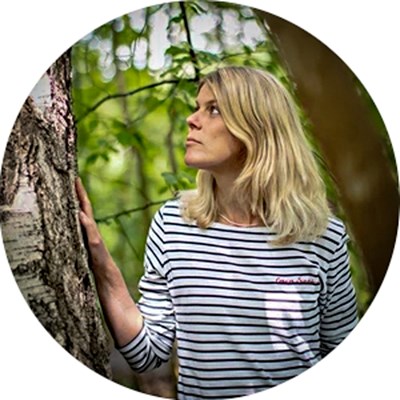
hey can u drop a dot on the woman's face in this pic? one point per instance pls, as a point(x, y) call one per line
point(209, 145)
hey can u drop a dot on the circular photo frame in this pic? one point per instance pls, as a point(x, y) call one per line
point(113, 110)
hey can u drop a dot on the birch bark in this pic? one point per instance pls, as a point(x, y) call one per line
point(40, 227)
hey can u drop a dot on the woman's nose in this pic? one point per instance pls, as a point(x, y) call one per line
point(193, 120)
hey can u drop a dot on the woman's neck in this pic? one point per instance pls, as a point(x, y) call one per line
point(232, 211)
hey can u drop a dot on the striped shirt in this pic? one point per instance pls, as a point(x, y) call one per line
point(246, 315)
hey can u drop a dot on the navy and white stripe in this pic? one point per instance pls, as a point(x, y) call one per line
point(246, 315)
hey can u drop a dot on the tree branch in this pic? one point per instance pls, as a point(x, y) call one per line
point(189, 39)
point(130, 93)
point(107, 218)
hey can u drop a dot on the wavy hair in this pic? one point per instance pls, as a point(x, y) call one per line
point(279, 182)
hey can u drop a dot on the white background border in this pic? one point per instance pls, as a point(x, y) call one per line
point(364, 34)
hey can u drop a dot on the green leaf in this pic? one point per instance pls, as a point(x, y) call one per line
point(118, 125)
point(196, 8)
point(175, 20)
point(124, 138)
point(92, 159)
point(170, 178)
point(175, 51)
point(131, 139)
point(151, 103)
point(163, 190)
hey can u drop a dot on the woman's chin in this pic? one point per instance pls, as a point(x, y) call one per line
point(192, 162)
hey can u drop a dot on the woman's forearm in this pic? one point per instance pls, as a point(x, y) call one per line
point(123, 317)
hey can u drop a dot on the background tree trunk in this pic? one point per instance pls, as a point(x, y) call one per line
point(40, 227)
point(349, 139)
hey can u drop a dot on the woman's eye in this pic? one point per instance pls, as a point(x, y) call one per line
point(214, 110)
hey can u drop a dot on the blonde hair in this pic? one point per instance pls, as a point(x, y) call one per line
point(279, 181)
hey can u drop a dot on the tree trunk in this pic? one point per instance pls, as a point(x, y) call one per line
point(349, 139)
point(40, 226)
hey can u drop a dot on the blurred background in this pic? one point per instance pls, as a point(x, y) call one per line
point(134, 84)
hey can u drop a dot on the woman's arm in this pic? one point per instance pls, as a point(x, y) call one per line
point(122, 315)
point(338, 304)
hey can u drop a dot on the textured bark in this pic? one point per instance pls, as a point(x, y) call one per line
point(349, 140)
point(40, 226)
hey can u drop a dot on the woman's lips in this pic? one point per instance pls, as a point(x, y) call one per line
point(192, 141)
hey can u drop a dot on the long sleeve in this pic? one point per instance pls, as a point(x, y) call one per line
point(338, 300)
point(153, 345)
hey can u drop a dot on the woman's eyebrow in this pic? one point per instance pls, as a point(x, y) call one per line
point(207, 103)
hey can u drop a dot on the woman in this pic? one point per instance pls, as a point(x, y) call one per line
point(250, 272)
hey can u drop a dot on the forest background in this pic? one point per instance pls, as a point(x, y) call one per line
point(113, 142)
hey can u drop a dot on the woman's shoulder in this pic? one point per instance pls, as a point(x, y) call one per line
point(170, 205)
point(336, 231)
point(179, 203)
point(170, 209)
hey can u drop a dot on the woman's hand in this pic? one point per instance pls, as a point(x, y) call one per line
point(123, 317)
point(98, 252)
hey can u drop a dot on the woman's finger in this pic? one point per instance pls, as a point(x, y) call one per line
point(92, 232)
point(83, 198)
